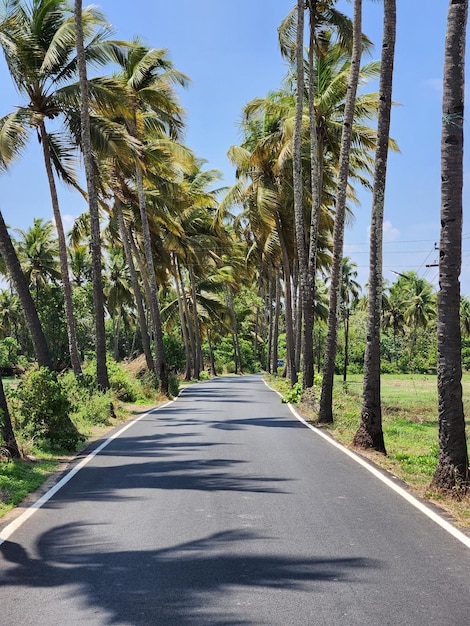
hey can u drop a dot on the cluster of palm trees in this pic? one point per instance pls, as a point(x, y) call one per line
point(170, 236)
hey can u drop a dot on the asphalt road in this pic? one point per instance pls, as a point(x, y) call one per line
point(222, 509)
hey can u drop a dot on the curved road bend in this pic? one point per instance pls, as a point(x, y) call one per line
point(222, 509)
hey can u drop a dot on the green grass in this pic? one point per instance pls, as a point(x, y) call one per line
point(410, 425)
point(19, 478)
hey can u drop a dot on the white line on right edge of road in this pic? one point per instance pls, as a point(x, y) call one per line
point(370, 468)
point(21, 519)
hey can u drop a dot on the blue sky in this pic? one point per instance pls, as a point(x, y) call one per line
point(230, 52)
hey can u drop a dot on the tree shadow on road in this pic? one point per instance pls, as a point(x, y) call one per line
point(195, 583)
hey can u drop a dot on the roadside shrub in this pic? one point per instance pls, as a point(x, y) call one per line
point(173, 386)
point(149, 383)
point(96, 409)
point(44, 409)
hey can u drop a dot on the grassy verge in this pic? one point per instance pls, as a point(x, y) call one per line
point(409, 411)
point(20, 478)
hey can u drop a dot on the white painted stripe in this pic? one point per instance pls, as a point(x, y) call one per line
point(21, 519)
point(370, 468)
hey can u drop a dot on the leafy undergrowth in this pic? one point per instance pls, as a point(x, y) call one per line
point(409, 415)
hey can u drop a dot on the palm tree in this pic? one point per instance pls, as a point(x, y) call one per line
point(326, 402)
point(98, 300)
point(419, 306)
point(37, 252)
point(149, 76)
point(38, 41)
point(452, 471)
point(7, 250)
point(370, 433)
point(349, 295)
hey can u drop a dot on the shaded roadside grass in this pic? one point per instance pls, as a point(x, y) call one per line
point(410, 425)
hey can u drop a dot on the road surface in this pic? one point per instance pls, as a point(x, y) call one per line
point(223, 509)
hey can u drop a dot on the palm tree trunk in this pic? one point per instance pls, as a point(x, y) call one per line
point(288, 304)
point(369, 433)
point(197, 330)
point(306, 294)
point(277, 314)
point(346, 345)
point(316, 174)
point(98, 297)
point(64, 270)
point(7, 250)
point(189, 326)
point(155, 305)
point(269, 308)
point(325, 414)
point(183, 322)
point(6, 428)
point(135, 286)
point(211, 354)
point(452, 472)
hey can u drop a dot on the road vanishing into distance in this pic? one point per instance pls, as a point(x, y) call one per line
point(221, 508)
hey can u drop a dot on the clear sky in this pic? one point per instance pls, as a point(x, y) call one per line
point(230, 51)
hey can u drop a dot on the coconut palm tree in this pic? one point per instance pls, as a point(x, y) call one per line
point(10, 445)
point(452, 471)
point(18, 279)
point(349, 296)
point(370, 433)
point(326, 402)
point(98, 299)
point(38, 41)
point(37, 251)
point(149, 76)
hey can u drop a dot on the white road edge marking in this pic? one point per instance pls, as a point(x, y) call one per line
point(370, 468)
point(21, 519)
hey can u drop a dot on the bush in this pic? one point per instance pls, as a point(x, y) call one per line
point(173, 386)
point(97, 409)
point(44, 408)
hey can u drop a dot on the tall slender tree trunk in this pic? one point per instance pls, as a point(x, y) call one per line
point(277, 314)
point(187, 313)
point(370, 433)
point(292, 373)
point(269, 309)
point(135, 286)
point(452, 471)
point(184, 322)
point(316, 184)
point(197, 330)
point(7, 250)
point(98, 297)
point(6, 428)
point(64, 270)
point(211, 354)
point(155, 305)
point(306, 294)
point(325, 414)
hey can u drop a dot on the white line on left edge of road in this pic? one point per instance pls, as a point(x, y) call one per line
point(370, 468)
point(21, 519)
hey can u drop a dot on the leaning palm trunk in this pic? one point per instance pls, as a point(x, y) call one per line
point(98, 297)
point(155, 305)
point(187, 314)
point(277, 315)
point(452, 472)
point(6, 428)
point(135, 286)
point(41, 349)
point(64, 271)
point(325, 414)
point(369, 433)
